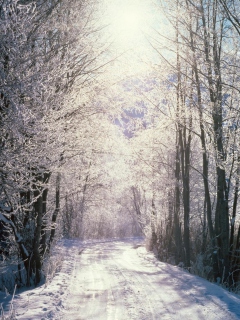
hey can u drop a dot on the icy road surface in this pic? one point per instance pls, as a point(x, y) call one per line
point(119, 280)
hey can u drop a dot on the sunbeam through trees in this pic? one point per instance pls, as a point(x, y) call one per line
point(120, 119)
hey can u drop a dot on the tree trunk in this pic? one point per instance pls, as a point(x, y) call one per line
point(215, 93)
point(36, 263)
point(57, 208)
point(177, 225)
point(205, 162)
point(36, 259)
point(185, 151)
point(43, 241)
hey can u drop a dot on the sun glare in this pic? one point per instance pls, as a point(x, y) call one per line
point(128, 28)
point(127, 21)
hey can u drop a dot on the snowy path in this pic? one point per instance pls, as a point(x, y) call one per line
point(118, 280)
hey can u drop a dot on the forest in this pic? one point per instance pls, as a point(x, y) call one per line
point(120, 119)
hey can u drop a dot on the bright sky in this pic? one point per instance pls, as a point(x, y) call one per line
point(128, 24)
point(128, 20)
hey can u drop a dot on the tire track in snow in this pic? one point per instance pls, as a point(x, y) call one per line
point(134, 290)
point(114, 308)
point(143, 289)
point(111, 310)
point(97, 299)
point(114, 282)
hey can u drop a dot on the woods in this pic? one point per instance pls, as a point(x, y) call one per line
point(43, 52)
point(90, 149)
point(203, 108)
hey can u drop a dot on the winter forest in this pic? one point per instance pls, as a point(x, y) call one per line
point(120, 119)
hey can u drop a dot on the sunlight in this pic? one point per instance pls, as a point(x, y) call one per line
point(128, 26)
point(127, 22)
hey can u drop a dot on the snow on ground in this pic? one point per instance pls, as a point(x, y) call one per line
point(119, 280)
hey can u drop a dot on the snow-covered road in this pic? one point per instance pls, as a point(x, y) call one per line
point(119, 280)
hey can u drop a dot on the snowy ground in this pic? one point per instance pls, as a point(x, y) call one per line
point(119, 280)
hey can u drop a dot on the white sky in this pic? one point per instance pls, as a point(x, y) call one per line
point(129, 24)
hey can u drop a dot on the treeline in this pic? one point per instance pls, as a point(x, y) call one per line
point(188, 158)
point(47, 59)
point(60, 170)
